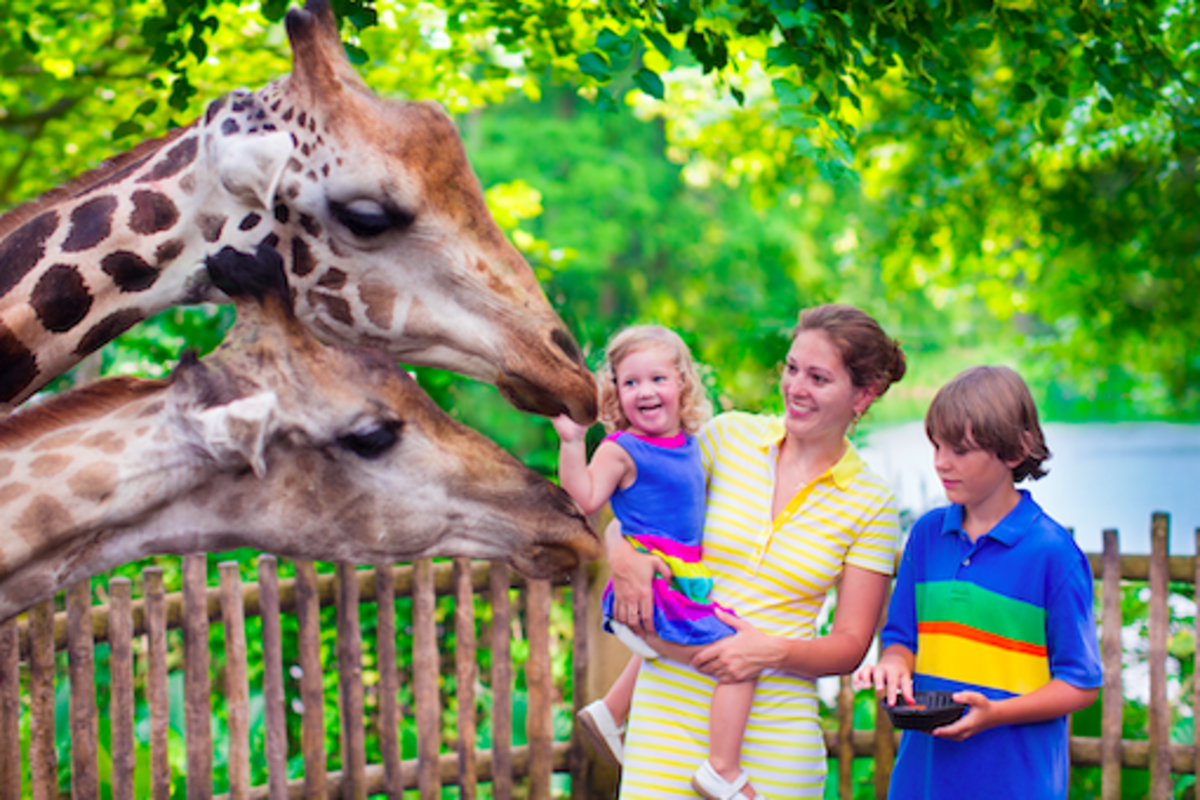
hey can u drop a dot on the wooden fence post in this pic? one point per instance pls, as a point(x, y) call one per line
point(502, 759)
point(196, 681)
point(539, 722)
point(10, 711)
point(425, 681)
point(1160, 713)
point(312, 692)
point(120, 666)
point(85, 776)
point(464, 671)
point(237, 684)
point(1110, 649)
point(350, 684)
point(389, 681)
point(156, 682)
point(579, 669)
point(845, 736)
point(274, 712)
point(43, 756)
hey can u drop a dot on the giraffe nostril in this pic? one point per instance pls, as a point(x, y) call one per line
point(567, 345)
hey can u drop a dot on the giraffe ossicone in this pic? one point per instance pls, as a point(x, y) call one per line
point(371, 202)
point(275, 442)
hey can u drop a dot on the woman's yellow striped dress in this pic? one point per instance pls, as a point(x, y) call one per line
point(775, 574)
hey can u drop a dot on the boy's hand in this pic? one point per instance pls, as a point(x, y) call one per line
point(568, 429)
point(979, 717)
point(891, 676)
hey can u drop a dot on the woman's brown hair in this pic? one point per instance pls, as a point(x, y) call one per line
point(873, 359)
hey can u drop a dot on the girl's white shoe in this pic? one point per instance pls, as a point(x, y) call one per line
point(606, 736)
point(635, 643)
point(709, 784)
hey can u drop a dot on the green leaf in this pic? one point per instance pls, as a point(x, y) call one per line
point(594, 64)
point(29, 44)
point(649, 82)
point(1024, 93)
point(147, 107)
point(659, 41)
point(356, 54)
point(1105, 106)
point(738, 95)
point(126, 128)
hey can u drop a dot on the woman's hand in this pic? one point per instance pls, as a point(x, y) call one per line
point(633, 578)
point(742, 656)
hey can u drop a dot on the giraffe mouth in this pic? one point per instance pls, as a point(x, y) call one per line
point(578, 405)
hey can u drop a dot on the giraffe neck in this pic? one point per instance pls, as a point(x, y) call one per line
point(87, 261)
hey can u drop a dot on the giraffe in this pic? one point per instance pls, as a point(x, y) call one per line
point(273, 441)
point(372, 204)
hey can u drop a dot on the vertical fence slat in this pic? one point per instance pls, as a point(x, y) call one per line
point(502, 761)
point(885, 741)
point(1160, 713)
point(156, 682)
point(274, 712)
point(425, 681)
point(539, 723)
point(1112, 708)
point(43, 757)
point(1195, 693)
point(237, 684)
point(389, 681)
point(85, 777)
point(464, 670)
point(10, 711)
point(197, 686)
point(120, 665)
point(845, 716)
point(312, 694)
point(577, 756)
point(350, 684)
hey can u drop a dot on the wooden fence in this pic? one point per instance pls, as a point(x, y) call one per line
point(527, 770)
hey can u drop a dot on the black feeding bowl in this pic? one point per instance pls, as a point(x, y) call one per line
point(931, 710)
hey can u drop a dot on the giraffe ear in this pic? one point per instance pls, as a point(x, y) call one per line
point(237, 433)
point(251, 166)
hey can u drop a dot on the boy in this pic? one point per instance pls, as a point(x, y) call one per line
point(993, 601)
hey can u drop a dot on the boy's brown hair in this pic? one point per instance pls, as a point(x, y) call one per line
point(694, 406)
point(990, 408)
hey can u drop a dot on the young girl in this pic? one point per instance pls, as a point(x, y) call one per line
point(649, 469)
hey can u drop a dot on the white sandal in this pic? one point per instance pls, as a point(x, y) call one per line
point(603, 731)
point(710, 785)
point(636, 644)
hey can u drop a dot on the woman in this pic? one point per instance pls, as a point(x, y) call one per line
point(792, 511)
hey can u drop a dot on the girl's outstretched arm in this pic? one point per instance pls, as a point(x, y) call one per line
point(590, 485)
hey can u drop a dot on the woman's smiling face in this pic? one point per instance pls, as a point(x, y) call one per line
point(820, 399)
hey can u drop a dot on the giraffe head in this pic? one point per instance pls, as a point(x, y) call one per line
point(371, 202)
point(388, 238)
point(275, 442)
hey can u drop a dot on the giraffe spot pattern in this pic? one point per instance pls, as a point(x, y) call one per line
point(176, 159)
point(108, 329)
point(49, 465)
point(21, 251)
point(213, 109)
point(302, 258)
point(229, 127)
point(333, 279)
point(57, 440)
point(41, 519)
point(105, 441)
point(249, 221)
point(129, 271)
point(335, 306)
point(153, 409)
point(187, 184)
point(6, 467)
point(18, 366)
point(60, 298)
point(210, 226)
point(11, 491)
point(94, 482)
point(271, 240)
point(380, 301)
point(310, 225)
point(167, 252)
point(281, 213)
point(287, 115)
point(152, 212)
point(91, 223)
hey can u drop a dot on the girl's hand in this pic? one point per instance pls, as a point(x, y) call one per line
point(569, 431)
point(741, 657)
point(979, 717)
point(633, 579)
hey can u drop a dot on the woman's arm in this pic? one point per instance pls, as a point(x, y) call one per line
point(747, 653)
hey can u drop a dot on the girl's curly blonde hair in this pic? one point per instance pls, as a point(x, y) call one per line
point(694, 406)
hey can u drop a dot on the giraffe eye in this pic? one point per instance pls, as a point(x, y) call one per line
point(372, 441)
point(368, 219)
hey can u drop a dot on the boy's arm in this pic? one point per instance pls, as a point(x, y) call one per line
point(1055, 699)
point(590, 485)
